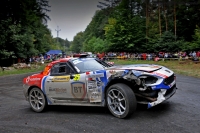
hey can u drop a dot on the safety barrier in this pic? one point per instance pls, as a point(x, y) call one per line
point(181, 60)
point(141, 58)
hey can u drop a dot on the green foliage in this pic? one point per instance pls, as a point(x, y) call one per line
point(131, 26)
point(22, 31)
point(166, 42)
point(96, 45)
point(5, 54)
point(96, 28)
point(77, 43)
point(59, 43)
point(146, 26)
point(125, 32)
point(195, 45)
point(188, 18)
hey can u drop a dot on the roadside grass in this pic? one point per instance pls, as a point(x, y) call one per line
point(13, 71)
point(179, 67)
point(187, 68)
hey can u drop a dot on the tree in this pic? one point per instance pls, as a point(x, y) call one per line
point(23, 32)
point(95, 45)
point(77, 43)
point(195, 45)
point(125, 32)
point(167, 43)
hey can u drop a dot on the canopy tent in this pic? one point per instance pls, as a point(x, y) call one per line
point(54, 52)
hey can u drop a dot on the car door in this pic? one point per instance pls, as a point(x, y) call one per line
point(57, 84)
point(64, 85)
point(78, 88)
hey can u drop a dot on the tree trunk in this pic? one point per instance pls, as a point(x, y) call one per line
point(175, 21)
point(147, 20)
point(159, 19)
point(165, 16)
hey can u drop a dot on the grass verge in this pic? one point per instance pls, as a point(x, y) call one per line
point(13, 71)
point(179, 67)
point(187, 68)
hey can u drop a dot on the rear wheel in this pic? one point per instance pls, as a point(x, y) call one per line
point(37, 100)
point(121, 100)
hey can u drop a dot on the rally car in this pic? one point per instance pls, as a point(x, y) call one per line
point(93, 82)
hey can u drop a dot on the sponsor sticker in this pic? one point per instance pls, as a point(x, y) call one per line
point(96, 75)
point(58, 90)
point(32, 79)
point(61, 79)
point(95, 95)
point(78, 90)
point(77, 61)
point(91, 85)
point(94, 88)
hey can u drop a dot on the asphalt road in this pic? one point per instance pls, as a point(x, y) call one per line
point(180, 114)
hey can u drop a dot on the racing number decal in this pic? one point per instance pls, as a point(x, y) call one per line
point(77, 77)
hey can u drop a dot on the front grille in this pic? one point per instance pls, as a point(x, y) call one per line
point(169, 91)
point(169, 80)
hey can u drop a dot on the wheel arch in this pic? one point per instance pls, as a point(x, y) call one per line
point(119, 80)
point(34, 86)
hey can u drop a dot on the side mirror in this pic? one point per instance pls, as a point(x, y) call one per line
point(71, 76)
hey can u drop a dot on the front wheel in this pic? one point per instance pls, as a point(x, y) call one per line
point(121, 100)
point(37, 100)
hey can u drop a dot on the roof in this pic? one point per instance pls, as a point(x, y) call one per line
point(80, 55)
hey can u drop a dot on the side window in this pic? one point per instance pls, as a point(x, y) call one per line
point(59, 69)
point(62, 69)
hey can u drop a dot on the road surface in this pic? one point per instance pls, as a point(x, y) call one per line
point(180, 114)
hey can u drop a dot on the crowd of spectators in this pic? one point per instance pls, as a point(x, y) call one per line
point(151, 56)
point(195, 55)
point(44, 58)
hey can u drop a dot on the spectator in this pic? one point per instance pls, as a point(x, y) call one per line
point(166, 55)
point(194, 54)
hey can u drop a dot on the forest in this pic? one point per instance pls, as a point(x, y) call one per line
point(143, 26)
point(126, 25)
point(23, 30)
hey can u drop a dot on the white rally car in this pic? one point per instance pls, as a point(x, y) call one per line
point(93, 82)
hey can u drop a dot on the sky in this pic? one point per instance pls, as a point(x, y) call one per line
point(68, 17)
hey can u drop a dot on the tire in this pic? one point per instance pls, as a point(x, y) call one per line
point(37, 100)
point(121, 100)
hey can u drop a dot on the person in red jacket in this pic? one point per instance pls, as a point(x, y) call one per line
point(144, 56)
point(198, 54)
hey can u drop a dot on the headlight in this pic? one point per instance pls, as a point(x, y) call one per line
point(148, 79)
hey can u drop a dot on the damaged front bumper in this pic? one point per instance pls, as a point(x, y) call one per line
point(163, 95)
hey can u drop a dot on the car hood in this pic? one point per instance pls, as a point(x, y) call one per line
point(139, 67)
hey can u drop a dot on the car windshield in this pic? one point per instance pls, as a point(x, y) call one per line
point(88, 65)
